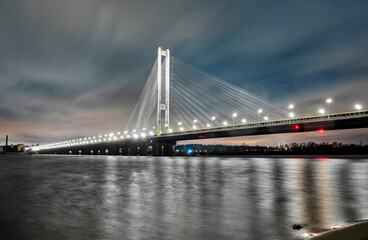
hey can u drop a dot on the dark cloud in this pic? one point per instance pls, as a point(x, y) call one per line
point(79, 65)
point(18, 112)
point(42, 89)
point(115, 95)
point(8, 113)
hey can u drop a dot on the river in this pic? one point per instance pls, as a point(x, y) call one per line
point(120, 197)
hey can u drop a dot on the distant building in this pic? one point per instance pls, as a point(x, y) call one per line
point(19, 148)
point(14, 148)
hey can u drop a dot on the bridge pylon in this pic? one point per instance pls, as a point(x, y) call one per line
point(163, 95)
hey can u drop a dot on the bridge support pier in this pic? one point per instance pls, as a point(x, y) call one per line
point(125, 150)
point(134, 150)
point(143, 149)
point(113, 150)
point(163, 148)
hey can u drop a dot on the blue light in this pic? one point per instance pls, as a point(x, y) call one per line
point(189, 151)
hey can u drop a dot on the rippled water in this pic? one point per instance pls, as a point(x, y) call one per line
point(115, 197)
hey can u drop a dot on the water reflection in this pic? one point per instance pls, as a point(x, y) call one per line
point(102, 197)
point(280, 199)
point(314, 195)
point(347, 193)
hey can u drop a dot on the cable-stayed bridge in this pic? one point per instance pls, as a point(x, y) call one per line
point(181, 102)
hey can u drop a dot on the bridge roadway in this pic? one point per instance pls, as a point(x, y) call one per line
point(163, 145)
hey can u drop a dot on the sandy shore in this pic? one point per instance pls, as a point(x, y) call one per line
point(358, 231)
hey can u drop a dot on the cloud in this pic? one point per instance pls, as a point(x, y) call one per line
point(43, 89)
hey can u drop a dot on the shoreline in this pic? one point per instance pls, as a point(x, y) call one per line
point(355, 231)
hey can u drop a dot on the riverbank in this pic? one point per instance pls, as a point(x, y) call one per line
point(358, 231)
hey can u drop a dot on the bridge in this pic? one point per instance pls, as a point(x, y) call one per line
point(181, 102)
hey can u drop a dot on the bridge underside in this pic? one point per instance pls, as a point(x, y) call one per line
point(124, 148)
point(163, 145)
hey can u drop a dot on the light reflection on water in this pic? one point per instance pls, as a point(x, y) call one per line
point(100, 197)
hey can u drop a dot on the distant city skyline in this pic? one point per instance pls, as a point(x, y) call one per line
point(75, 69)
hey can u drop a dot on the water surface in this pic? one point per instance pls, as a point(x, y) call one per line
point(116, 197)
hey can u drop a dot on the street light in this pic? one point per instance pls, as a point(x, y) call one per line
point(234, 116)
point(266, 118)
point(291, 107)
point(328, 101)
point(194, 122)
point(181, 129)
point(321, 111)
point(225, 123)
point(244, 120)
point(208, 125)
point(358, 107)
point(179, 123)
point(213, 118)
point(259, 112)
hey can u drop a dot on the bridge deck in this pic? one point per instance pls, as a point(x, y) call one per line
point(348, 120)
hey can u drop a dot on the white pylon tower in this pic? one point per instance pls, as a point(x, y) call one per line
point(163, 101)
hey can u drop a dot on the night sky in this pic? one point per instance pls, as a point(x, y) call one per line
point(75, 68)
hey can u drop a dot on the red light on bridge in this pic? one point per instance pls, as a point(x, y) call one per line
point(203, 137)
point(296, 127)
point(337, 227)
point(322, 158)
point(321, 130)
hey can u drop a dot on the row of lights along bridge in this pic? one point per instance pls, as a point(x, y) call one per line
point(113, 137)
